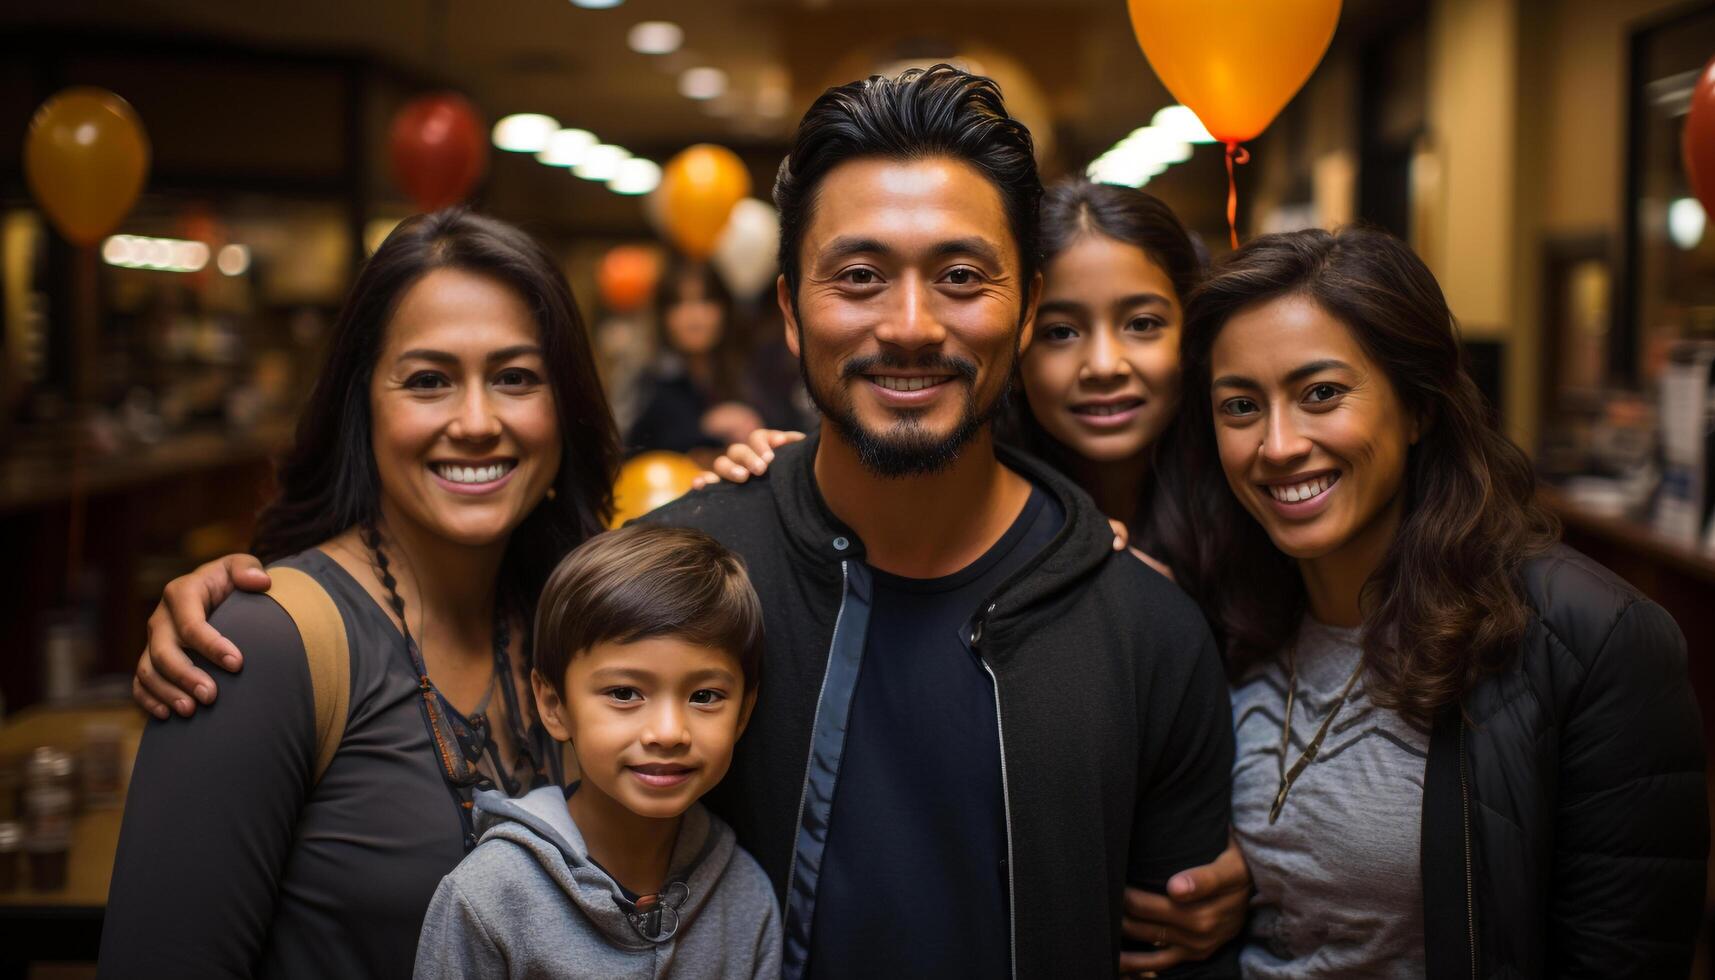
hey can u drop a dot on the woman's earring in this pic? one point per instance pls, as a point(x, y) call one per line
point(551, 493)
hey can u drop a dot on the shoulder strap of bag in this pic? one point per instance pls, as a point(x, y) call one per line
point(323, 631)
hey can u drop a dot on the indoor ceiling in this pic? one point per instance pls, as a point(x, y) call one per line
point(1073, 63)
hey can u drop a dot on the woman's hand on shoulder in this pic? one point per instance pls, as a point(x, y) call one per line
point(746, 459)
point(165, 674)
point(1203, 910)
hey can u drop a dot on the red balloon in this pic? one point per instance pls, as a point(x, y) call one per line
point(1698, 140)
point(627, 276)
point(439, 149)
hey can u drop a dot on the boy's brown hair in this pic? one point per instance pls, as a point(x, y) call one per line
point(643, 581)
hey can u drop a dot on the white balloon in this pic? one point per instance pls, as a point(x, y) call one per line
point(746, 255)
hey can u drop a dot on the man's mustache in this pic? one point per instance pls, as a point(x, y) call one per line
point(937, 363)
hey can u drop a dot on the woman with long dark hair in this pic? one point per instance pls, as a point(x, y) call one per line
point(456, 445)
point(694, 394)
point(1463, 749)
point(1100, 380)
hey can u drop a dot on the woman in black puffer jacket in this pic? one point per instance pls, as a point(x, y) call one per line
point(1463, 749)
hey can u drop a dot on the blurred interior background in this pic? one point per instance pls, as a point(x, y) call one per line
point(1528, 149)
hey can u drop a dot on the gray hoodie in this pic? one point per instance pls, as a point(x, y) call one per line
point(529, 902)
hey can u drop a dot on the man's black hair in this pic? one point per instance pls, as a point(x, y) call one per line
point(939, 111)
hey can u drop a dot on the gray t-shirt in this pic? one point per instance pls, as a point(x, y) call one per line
point(1338, 886)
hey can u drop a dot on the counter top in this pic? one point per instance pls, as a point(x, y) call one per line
point(95, 831)
point(44, 473)
point(1633, 536)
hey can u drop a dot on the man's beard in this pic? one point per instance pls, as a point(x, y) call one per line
point(906, 448)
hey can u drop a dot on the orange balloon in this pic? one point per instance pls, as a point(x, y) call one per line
point(699, 188)
point(1236, 63)
point(648, 481)
point(626, 276)
point(86, 158)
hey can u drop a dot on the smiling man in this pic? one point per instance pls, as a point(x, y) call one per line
point(977, 722)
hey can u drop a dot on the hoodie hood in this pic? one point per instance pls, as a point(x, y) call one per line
point(1054, 576)
point(539, 823)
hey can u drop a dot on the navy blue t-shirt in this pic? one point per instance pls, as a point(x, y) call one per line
point(913, 878)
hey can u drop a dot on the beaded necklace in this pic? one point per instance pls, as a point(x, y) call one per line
point(463, 743)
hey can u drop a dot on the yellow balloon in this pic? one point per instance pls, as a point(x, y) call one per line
point(648, 481)
point(1236, 63)
point(86, 158)
point(698, 190)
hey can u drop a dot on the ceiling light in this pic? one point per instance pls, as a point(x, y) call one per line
point(1183, 124)
point(158, 254)
point(1157, 145)
point(702, 83)
point(636, 176)
point(567, 147)
point(524, 132)
point(655, 37)
point(1130, 169)
point(1685, 221)
point(601, 162)
point(596, 4)
point(232, 260)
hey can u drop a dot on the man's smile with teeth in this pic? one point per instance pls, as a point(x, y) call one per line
point(487, 473)
point(892, 383)
point(1292, 493)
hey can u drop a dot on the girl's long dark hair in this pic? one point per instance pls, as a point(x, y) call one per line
point(1072, 209)
point(328, 480)
point(726, 359)
point(1444, 607)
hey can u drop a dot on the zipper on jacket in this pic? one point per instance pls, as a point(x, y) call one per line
point(815, 720)
point(1006, 806)
point(1465, 805)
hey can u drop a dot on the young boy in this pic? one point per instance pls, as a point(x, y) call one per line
point(648, 646)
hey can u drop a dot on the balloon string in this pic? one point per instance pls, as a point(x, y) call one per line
point(75, 518)
point(1240, 155)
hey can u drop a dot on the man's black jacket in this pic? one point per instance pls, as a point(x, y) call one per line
point(1115, 724)
point(1565, 815)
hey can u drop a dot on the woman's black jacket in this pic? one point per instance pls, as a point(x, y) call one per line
point(1565, 816)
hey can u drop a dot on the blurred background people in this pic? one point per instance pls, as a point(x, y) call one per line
point(693, 397)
